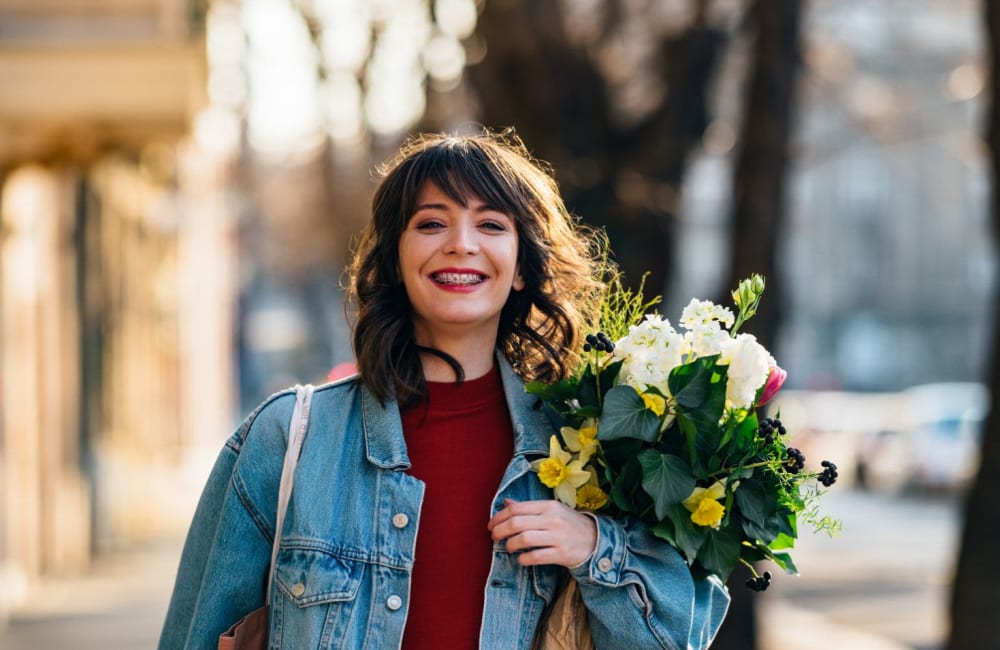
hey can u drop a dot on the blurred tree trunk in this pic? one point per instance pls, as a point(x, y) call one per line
point(759, 181)
point(620, 175)
point(976, 588)
point(759, 178)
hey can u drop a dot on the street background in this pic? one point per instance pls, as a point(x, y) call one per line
point(181, 182)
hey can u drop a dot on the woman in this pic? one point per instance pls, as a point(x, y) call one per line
point(470, 279)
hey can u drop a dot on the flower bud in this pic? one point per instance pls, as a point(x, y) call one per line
point(757, 283)
point(775, 378)
point(743, 295)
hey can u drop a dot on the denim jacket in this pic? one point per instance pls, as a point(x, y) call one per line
point(342, 577)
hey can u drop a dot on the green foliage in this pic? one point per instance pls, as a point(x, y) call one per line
point(622, 307)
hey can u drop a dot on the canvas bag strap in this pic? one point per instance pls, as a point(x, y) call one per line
point(296, 434)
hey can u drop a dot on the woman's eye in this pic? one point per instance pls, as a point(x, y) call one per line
point(429, 225)
point(494, 225)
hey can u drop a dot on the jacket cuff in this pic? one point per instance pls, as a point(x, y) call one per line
point(606, 563)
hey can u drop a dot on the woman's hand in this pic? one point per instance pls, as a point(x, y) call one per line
point(548, 532)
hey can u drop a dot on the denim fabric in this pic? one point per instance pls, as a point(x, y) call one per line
point(342, 576)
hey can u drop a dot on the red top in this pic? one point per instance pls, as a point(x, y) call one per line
point(459, 442)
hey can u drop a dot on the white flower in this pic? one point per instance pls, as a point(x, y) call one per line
point(649, 352)
point(704, 321)
point(705, 342)
point(700, 314)
point(749, 362)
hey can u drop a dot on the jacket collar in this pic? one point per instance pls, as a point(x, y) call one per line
point(383, 428)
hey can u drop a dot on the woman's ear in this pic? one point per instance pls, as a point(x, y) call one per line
point(518, 282)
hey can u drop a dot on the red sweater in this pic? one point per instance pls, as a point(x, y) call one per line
point(459, 442)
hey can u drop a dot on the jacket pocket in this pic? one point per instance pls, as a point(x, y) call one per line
point(320, 598)
point(310, 577)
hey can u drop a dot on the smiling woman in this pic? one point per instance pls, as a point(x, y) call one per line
point(470, 279)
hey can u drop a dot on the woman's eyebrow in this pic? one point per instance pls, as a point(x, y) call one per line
point(430, 206)
point(482, 207)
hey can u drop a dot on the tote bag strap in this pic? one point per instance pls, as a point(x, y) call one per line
point(296, 433)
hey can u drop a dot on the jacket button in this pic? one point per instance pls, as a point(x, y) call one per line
point(298, 589)
point(399, 520)
point(604, 564)
point(394, 602)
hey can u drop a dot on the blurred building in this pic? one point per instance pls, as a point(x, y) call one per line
point(116, 276)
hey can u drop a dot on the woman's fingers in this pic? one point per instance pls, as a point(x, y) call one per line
point(547, 532)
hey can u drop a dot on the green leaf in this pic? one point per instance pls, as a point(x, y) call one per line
point(700, 390)
point(753, 502)
point(689, 537)
point(665, 531)
point(762, 552)
point(587, 391)
point(721, 550)
point(608, 376)
point(784, 560)
point(625, 487)
point(666, 478)
point(691, 383)
point(782, 541)
point(743, 436)
point(625, 416)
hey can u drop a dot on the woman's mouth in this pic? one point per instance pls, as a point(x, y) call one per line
point(454, 279)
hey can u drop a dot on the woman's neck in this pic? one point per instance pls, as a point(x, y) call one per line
point(474, 354)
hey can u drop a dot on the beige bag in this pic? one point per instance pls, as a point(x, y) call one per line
point(565, 627)
point(250, 632)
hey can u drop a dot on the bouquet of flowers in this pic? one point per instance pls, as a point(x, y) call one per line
point(662, 425)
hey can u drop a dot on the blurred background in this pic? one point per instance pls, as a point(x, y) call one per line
point(181, 182)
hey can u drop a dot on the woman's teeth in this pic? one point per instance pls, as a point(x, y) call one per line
point(458, 278)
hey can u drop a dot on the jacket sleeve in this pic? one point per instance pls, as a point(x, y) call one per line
point(640, 593)
point(223, 568)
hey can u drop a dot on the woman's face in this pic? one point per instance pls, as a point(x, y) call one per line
point(458, 265)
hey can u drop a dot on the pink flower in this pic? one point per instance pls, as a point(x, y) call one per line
point(775, 378)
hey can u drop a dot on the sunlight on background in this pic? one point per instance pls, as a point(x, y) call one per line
point(283, 103)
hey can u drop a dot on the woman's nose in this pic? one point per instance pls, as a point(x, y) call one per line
point(462, 240)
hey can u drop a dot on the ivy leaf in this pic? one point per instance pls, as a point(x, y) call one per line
point(721, 550)
point(666, 478)
point(625, 486)
point(752, 499)
point(665, 531)
point(688, 536)
point(691, 383)
point(625, 416)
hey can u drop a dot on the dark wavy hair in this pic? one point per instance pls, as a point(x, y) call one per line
point(558, 258)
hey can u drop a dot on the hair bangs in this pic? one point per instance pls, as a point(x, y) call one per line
point(462, 169)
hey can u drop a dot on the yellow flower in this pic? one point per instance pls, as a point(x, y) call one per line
point(709, 513)
point(590, 497)
point(552, 472)
point(704, 506)
point(582, 441)
point(561, 473)
point(655, 403)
